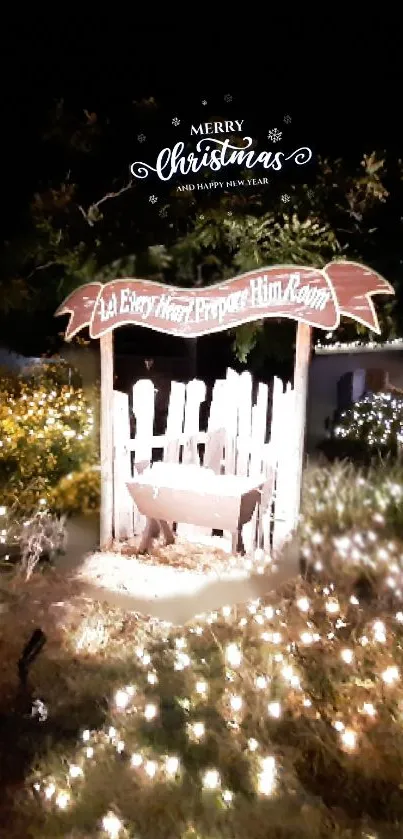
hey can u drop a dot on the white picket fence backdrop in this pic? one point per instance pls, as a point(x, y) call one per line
point(240, 440)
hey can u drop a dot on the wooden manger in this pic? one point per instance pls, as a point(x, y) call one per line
point(166, 493)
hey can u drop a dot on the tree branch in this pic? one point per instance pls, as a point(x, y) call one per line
point(89, 214)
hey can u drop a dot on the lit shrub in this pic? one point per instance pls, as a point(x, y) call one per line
point(374, 422)
point(78, 492)
point(46, 432)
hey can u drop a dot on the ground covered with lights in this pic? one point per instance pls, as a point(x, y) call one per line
point(279, 718)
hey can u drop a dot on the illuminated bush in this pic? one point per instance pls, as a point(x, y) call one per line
point(46, 432)
point(376, 422)
point(78, 492)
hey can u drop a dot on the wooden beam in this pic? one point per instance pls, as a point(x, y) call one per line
point(301, 374)
point(106, 350)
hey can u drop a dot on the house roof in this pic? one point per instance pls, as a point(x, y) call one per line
point(359, 347)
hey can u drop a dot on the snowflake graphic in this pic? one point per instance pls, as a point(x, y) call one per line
point(204, 102)
point(153, 199)
point(141, 138)
point(228, 97)
point(229, 213)
point(176, 122)
point(285, 198)
point(310, 194)
point(275, 135)
point(201, 217)
point(163, 212)
point(287, 119)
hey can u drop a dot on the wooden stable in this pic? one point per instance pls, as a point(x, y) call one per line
point(314, 297)
point(248, 436)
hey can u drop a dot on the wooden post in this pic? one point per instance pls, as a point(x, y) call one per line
point(106, 350)
point(301, 373)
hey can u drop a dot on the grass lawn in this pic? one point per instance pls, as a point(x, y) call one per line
point(278, 718)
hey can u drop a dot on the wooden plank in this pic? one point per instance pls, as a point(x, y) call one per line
point(301, 374)
point(251, 531)
point(215, 437)
point(168, 443)
point(143, 409)
point(173, 437)
point(266, 508)
point(123, 508)
point(259, 430)
point(106, 517)
point(244, 423)
point(195, 395)
point(229, 410)
point(285, 473)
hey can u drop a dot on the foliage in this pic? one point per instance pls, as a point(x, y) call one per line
point(375, 421)
point(46, 431)
point(342, 497)
point(88, 222)
point(280, 715)
point(77, 493)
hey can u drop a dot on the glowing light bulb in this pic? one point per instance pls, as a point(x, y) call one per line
point(122, 699)
point(86, 735)
point(303, 604)
point(136, 760)
point(150, 712)
point(201, 688)
point(50, 791)
point(151, 768)
point(236, 703)
point(226, 610)
point(198, 729)
point(63, 800)
point(111, 825)
point(391, 675)
point(332, 607)
point(274, 710)
point(399, 617)
point(306, 637)
point(379, 632)
point(338, 725)
point(227, 796)
point(267, 776)
point(233, 655)
point(152, 678)
point(89, 752)
point(347, 656)
point(369, 709)
point(349, 738)
point(172, 765)
point(75, 771)
point(211, 779)
point(253, 744)
point(261, 682)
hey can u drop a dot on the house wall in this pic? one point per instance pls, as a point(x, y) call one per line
point(325, 372)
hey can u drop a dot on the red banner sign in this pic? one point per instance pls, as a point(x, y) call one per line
point(315, 296)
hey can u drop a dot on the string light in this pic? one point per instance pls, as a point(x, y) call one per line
point(267, 776)
point(391, 675)
point(112, 825)
point(211, 779)
point(349, 739)
point(233, 655)
point(274, 710)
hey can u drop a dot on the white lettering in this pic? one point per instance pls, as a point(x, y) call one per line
point(215, 154)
